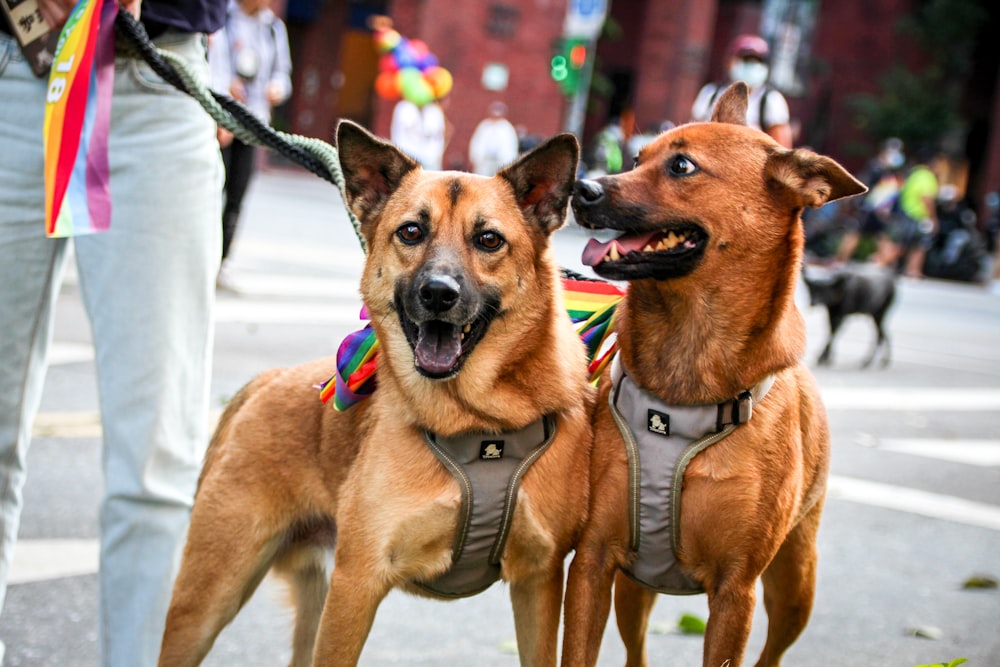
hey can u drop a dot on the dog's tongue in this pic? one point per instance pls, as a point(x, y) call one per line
point(438, 347)
point(595, 250)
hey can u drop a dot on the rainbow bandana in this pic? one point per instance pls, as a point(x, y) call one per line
point(591, 306)
point(77, 116)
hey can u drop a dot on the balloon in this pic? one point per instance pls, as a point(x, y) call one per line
point(419, 48)
point(387, 40)
point(430, 60)
point(440, 81)
point(404, 55)
point(387, 85)
point(414, 87)
point(408, 76)
point(387, 63)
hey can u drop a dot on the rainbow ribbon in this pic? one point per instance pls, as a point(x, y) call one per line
point(77, 118)
point(591, 306)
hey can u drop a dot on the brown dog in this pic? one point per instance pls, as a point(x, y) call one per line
point(712, 243)
point(476, 351)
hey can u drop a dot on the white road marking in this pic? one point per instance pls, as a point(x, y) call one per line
point(40, 560)
point(985, 453)
point(914, 501)
point(958, 399)
point(70, 353)
point(256, 311)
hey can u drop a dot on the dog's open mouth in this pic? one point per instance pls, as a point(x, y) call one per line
point(440, 348)
point(663, 253)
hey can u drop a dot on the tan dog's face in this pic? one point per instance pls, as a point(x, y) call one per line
point(453, 257)
point(704, 194)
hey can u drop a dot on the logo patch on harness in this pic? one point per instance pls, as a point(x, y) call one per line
point(491, 449)
point(658, 422)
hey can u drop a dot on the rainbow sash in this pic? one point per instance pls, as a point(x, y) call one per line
point(591, 306)
point(77, 118)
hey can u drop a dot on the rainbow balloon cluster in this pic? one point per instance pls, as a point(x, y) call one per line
point(408, 69)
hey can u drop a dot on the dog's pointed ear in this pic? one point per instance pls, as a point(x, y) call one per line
point(372, 168)
point(811, 179)
point(543, 180)
point(731, 107)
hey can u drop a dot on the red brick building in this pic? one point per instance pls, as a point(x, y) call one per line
point(652, 64)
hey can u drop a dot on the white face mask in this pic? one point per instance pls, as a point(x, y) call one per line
point(753, 72)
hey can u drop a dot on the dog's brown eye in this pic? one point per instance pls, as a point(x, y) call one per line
point(410, 233)
point(680, 165)
point(490, 241)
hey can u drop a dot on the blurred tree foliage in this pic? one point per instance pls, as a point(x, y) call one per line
point(922, 107)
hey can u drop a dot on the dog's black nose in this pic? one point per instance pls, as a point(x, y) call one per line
point(587, 192)
point(439, 293)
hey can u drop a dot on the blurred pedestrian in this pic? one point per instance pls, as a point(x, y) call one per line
point(494, 142)
point(420, 131)
point(250, 61)
point(767, 109)
point(913, 231)
point(872, 216)
point(607, 156)
point(148, 287)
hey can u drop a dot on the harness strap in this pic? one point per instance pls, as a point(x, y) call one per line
point(488, 469)
point(660, 441)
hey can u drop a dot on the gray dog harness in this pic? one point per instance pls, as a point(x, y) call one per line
point(660, 441)
point(488, 469)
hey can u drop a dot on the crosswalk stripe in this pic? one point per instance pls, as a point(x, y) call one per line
point(985, 453)
point(958, 399)
point(40, 560)
point(914, 501)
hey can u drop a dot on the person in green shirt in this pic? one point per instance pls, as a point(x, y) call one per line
point(916, 227)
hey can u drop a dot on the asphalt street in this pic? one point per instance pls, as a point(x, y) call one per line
point(913, 510)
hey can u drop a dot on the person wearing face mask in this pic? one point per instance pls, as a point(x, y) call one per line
point(767, 109)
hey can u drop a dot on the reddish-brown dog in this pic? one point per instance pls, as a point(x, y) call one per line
point(712, 244)
point(465, 297)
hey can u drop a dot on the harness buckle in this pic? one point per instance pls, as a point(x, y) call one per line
point(743, 408)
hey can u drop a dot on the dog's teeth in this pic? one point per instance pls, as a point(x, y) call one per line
point(662, 245)
point(467, 328)
point(649, 248)
point(613, 254)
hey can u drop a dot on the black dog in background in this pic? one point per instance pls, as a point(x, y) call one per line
point(853, 288)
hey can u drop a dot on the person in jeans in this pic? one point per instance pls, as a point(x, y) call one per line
point(148, 284)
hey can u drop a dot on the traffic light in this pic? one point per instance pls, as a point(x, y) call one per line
point(568, 63)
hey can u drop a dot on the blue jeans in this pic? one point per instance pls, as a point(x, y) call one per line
point(148, 287)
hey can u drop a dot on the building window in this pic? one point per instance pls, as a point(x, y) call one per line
point(501, 20)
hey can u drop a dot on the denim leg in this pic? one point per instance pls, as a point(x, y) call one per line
point(30, 272)
point(149, 288)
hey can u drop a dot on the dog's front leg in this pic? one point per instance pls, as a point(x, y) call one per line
point(633, 605)
point(354, 596)
point(588, 603)
point(537, 602)
point(730, 614)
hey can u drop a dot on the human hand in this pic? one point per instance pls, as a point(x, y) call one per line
point(275, 94)
point(224, 136)
point(131, 6)
point(238, 91)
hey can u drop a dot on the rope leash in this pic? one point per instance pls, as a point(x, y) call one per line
point(316, 155)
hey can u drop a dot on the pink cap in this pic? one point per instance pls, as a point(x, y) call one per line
point(750, 45)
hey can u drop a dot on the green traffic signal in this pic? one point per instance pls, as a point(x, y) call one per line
point(568, 63)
